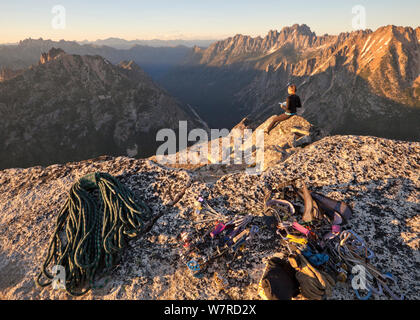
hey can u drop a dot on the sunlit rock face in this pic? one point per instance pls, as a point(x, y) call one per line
point(378, 178)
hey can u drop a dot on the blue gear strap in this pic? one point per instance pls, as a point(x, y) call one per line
point(369, 294)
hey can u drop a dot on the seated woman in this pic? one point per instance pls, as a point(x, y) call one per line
point(292, 102)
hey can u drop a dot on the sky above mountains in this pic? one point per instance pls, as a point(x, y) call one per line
point(190, 19)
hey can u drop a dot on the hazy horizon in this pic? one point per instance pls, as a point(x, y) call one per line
point(189, 20)
point(181, 39)
point(108, 38)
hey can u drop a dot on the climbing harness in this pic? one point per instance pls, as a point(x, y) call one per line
point(337, 211)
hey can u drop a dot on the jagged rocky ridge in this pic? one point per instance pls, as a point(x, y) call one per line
point(379, 178)
point(363, 82)
point(72, 107)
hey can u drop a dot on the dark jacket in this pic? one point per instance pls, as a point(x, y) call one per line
point(292, 103)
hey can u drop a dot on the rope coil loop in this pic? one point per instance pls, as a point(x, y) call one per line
point(92, 227)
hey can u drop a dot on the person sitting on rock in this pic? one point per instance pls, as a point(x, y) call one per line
point(292, 102)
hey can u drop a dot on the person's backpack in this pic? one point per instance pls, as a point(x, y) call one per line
point(278, 281)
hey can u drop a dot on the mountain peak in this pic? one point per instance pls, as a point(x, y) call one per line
point(301, 29)
point(52, 54)
point(106, 109)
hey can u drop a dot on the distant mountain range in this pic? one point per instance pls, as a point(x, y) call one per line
point(154, 60)
point(362, 82)
point(73, 107)
point(119, 43)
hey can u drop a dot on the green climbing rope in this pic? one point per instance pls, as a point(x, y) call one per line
point(98, 217)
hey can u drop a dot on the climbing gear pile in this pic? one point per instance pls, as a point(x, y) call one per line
point(320, 250)
point(223, 239)
point(353, 250)
point(98, 217)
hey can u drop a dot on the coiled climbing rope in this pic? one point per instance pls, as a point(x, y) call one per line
point(92, 227)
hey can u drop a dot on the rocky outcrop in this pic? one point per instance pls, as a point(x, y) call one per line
point(52, 54)
point(6, 74)
point(285, 139)
point(379, 178)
